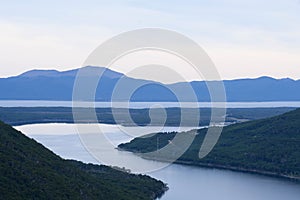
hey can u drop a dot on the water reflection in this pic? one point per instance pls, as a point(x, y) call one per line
point(185, 182)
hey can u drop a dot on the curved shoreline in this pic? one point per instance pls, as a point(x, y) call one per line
point(224, 167)
point(188, 163)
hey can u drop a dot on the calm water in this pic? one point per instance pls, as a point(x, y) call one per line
point(185, 182)
point(150, 104)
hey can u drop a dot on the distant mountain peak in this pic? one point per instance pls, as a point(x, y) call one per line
point(271, 78)
point(71, 73)
point(106, 71)
point(266, 78)
point(58, 85)
point(37, 72)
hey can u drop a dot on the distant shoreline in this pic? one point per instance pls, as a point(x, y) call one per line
point(146, 104)
point(224, 167)
point(32, 115)
point(190, 163)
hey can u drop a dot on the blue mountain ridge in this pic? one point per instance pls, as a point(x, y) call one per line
point(58, 86)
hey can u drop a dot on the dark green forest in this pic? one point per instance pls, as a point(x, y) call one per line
point(30, 171)
point(268, 146)
point(29, 115)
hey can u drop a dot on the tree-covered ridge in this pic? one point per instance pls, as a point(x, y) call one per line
point(29, 115)
point(269, 146)
point(30, 171)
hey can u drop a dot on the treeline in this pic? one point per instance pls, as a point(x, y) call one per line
point(30, 171)
point(269, 146)
point(30, 115)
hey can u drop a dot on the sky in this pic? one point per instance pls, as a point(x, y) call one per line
point(244, 39)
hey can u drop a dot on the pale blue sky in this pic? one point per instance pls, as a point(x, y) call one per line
point(243, 38)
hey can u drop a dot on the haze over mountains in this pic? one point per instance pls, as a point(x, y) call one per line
point(55, 85)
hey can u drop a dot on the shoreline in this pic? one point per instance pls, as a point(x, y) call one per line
point(188, 163)
point(224, 167)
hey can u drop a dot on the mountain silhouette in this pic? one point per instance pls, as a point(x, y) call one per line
point(56, 85)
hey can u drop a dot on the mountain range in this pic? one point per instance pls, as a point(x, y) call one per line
point(58, 86)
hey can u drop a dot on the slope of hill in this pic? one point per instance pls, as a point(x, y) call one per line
point(30, 171)
point(55, 85)
point(268, 146)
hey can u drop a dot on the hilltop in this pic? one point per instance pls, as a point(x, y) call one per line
point(30, 171)
point(268, 146)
